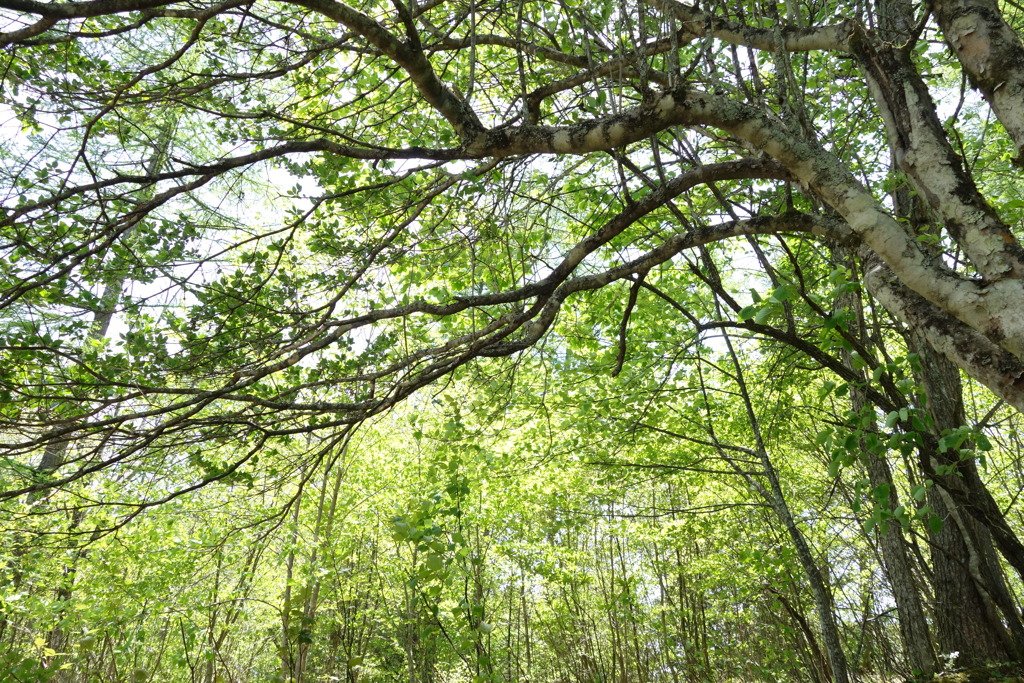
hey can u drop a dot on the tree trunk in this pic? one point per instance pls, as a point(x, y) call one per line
point(917, 641)
point(975, 613)
point(773, 495)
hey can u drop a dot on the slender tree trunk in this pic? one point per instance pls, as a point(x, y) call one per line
point(116, 276)
point(914, 632)
point(55, 452)
point(287, 655)
point(917, 642)
point(820, 592)
point(211, 627)
point(773, 495)
point(819, 664)
point(526, 627)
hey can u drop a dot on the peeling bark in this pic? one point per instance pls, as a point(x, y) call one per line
point(991, 54)
point(996, 368)
point(924, 153)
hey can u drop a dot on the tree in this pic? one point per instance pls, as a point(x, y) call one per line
point(360, 201)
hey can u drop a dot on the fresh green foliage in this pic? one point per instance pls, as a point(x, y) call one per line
point(484, 341)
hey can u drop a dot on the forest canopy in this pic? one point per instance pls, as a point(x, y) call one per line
point(496, 341)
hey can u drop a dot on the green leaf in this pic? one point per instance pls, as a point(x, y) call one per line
point(833, 468)
point(784, 293)
point(434, 562)
point(881, 493)
point(827, 388)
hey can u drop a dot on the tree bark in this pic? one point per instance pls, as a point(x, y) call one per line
point(975, 614)
point(991, 54)
point(914, 632)
point(774, 496)
point(917, 642)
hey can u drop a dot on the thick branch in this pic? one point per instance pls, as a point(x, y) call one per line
point(986, 362)
point(410, 56)
point(794, 38)
point(924, 153)
point(992, 54)
point(80, 10)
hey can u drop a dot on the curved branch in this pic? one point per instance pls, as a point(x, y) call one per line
point(794, 39)
point(762, 225)
point(222, 166)
point(410, 56)
point(937, 172)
